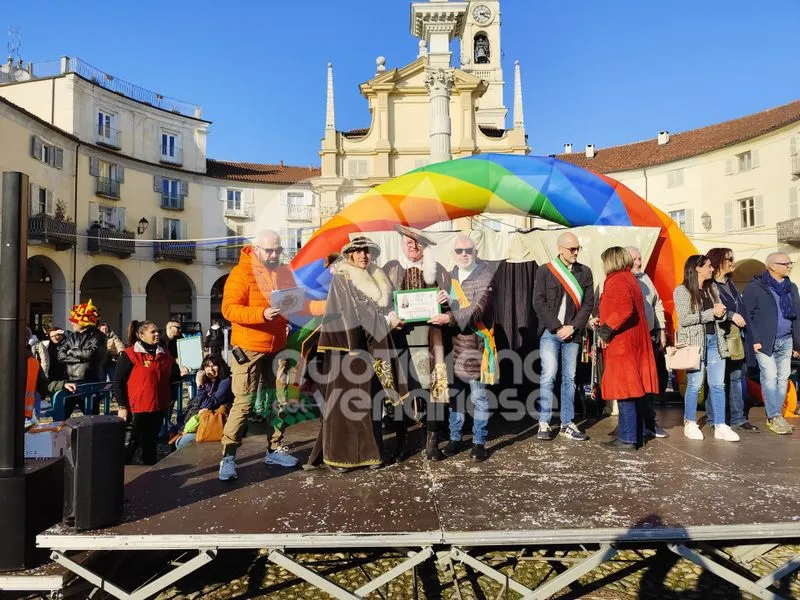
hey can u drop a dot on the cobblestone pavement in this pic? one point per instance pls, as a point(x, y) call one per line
point(649, 574)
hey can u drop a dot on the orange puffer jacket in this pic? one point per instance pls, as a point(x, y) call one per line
point(247, 294)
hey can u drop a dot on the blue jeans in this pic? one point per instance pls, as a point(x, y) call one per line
point(479, 397)
point(713, 367)
point(550, 347)
point(626, 423)
point(185, 440)
point(775, 371)
point(733, 370)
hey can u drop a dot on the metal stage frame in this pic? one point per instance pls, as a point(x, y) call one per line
point(727, 543)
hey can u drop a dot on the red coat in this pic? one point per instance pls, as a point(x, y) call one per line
point(629, 367)
point(149, 386)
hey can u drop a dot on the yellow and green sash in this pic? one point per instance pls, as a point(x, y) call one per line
point(489, 374)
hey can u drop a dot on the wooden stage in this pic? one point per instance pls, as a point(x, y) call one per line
point(674, 491)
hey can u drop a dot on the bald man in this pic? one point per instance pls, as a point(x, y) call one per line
point(563, 298)
point(772, 310)
point(258, 333)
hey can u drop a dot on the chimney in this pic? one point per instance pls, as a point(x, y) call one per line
point(663, 137)
point(567, 148)
point(281, 163)
point(589, 150)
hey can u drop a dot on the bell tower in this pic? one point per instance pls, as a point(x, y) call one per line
point(481, 56)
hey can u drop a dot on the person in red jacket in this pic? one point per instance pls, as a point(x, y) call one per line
point(630, 367)
point(143, 388)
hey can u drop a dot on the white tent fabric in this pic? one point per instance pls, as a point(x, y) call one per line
point(539, 246)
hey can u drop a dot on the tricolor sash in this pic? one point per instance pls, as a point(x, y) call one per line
point(567, 279)
point(489, 361)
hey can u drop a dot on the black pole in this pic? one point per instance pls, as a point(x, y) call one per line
point(13, 293)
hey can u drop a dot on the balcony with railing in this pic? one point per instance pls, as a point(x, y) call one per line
point(170, 156)
point(788, 231)
point(298, 212)
point(47, 229)
point(108, 187)
point(228, 255)
point(175, 250)
point(171, 202)
point(120, 243)
point(245, 211)
point(109, 137)
point(796, 165)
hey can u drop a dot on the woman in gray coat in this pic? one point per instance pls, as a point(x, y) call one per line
point(699, 315)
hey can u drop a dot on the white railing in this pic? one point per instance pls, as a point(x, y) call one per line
point(299, 213)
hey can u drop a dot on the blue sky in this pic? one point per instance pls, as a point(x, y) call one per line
point(593, 72)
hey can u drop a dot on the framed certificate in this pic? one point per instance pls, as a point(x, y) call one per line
point(289, 300)
point(416, 306)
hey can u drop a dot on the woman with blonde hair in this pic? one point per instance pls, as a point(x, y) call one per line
point(630, 372)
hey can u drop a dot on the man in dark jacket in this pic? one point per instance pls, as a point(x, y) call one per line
point(83, 352)
point(772, 310)
point(474, 350)
point(563, 298)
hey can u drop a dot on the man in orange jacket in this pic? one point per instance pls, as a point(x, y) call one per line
point(258, 333)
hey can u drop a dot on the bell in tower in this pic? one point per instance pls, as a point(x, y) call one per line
point(482, 50)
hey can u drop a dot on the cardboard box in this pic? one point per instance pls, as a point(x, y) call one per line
point(46, 440)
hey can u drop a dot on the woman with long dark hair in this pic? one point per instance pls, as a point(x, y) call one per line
point(733, 326)
point(699, 315)
point(213, 392)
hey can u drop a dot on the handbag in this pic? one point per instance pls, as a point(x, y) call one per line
point(683, 357)
point(212, 423)
point(735, 343)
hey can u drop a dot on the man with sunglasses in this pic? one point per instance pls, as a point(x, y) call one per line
point(772, 310)
point(563, 298)
point(258, 334)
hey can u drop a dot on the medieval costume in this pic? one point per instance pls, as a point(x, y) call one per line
point(360, 370)
point(421, 347)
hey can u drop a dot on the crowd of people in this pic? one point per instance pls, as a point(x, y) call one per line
point(379, 371)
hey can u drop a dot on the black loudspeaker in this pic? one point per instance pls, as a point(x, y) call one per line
point(94, 474)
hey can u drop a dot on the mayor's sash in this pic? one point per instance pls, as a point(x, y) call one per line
point(567, 279)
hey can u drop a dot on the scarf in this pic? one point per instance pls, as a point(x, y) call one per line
point(489, 373)
point(783, 289)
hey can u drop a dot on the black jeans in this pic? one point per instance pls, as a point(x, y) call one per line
point(144, 429)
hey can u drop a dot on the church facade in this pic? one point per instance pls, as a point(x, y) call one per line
point(428, 110)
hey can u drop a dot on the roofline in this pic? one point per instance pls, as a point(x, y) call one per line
point(90, 82)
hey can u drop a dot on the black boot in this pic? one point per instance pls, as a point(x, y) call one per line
point(401, 451)
point(432, 451)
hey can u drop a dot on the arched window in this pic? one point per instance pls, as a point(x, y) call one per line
point(482, 50)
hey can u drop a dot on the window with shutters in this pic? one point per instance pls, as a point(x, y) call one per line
point(170, 148)
point(47, 153)
point(794, 209)
point(42, 201)
point(171, 196)
point(109, 176)
point(234, 201)
point(750, 212)
point(357, 168)
point(299, 206)
point(675, 178)
point(679, 216)
point(171, 229)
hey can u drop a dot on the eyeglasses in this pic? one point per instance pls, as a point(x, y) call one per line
point(277, 250)
point(574, 250)
point(786, 264)
point(464, 250)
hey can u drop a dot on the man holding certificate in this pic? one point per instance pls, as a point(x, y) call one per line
point(258, 333)
point(420, 283)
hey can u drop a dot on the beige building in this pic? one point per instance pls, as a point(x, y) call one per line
point(125, 207)
point(733, 184)
point(427, 110)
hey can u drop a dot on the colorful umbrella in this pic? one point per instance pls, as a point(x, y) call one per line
point(497, 183)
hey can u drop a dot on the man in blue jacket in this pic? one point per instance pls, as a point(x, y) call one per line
point(772, 307)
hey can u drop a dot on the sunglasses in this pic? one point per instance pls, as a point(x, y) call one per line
point(277, 250)
point(464, 250)
point(786, 264)
point(574, 250)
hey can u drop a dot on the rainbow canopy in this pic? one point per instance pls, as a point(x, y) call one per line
point(497, 183)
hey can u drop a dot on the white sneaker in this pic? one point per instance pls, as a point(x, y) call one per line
point(227, 468)
point(724, 432)
point(692, 431)
point(614, 408)
point(281, 458)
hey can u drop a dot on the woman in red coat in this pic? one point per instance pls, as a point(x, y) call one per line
point(629, 367)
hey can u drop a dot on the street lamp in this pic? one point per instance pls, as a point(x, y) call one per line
point(143, 225)
point(705, 219)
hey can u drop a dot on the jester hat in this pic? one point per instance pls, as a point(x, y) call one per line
point(85, 315)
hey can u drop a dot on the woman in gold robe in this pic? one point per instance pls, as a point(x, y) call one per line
point(360, 370)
